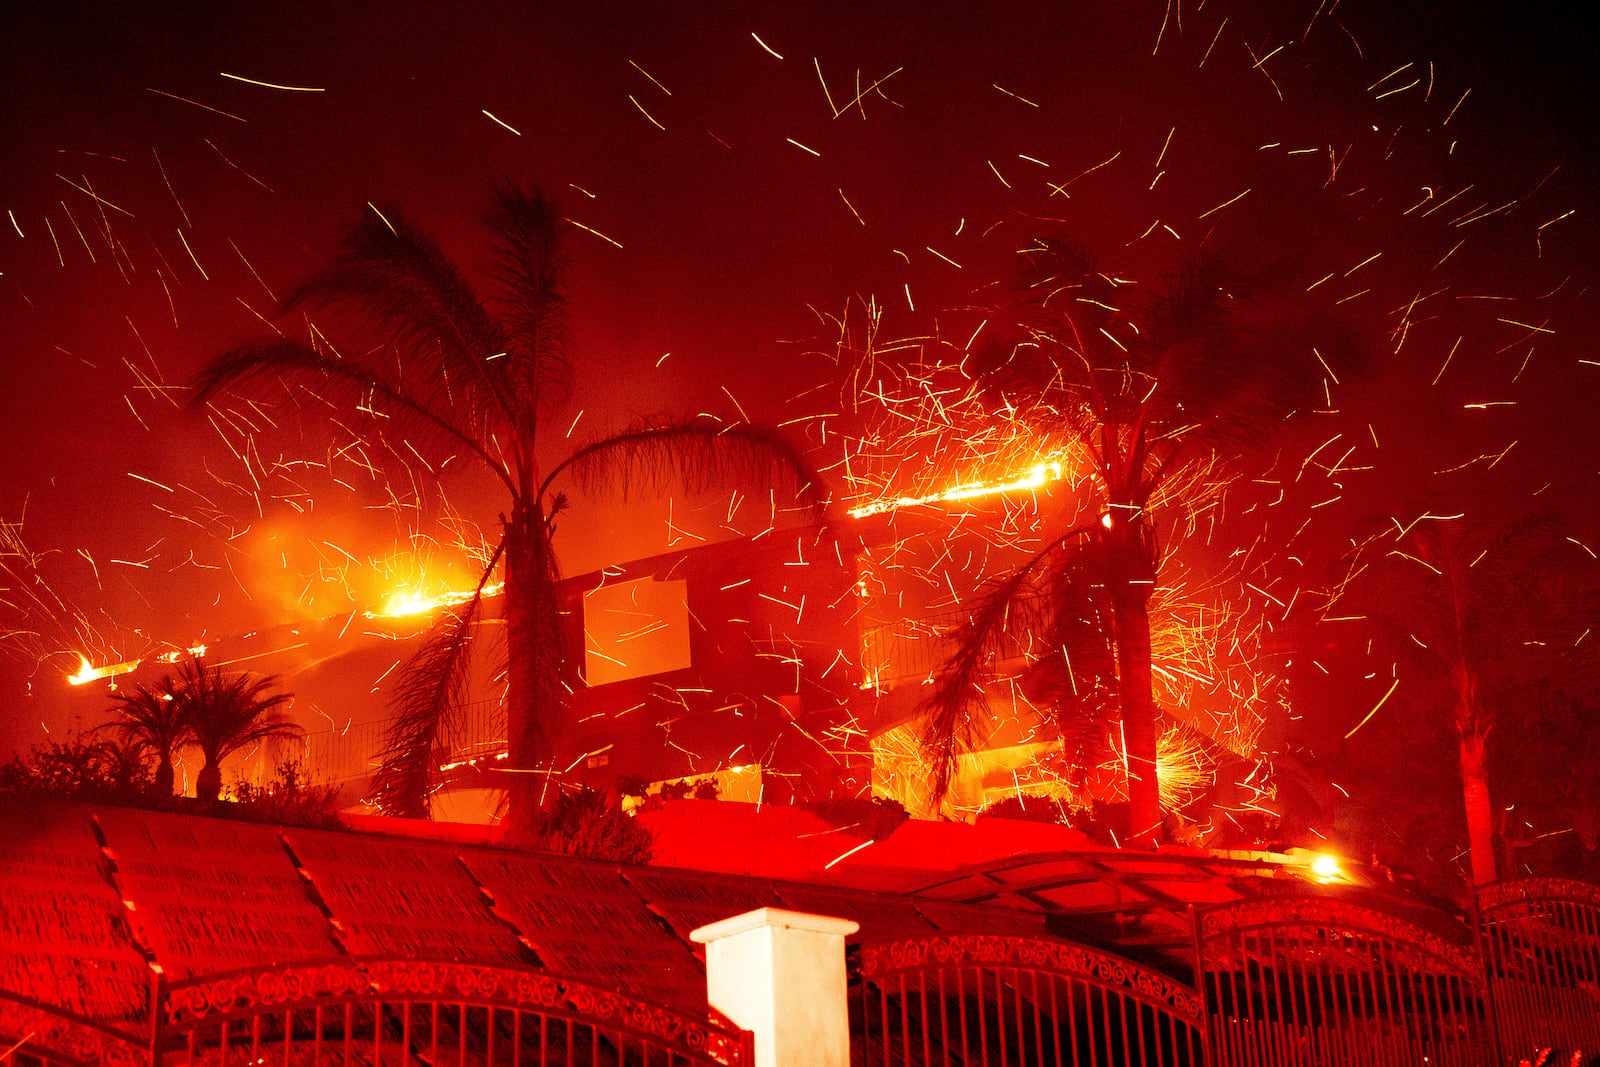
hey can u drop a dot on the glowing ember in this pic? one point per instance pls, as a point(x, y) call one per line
point(88, 672)
point(407, 602)
point(1035, 478)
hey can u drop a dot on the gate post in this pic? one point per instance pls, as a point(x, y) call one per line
point(1209, 1050)
point(158, 1007)
point(780, 974)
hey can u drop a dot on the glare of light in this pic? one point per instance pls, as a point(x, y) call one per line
point(88, 672)
point(406, 602)
point(1326, 868)
point(1034, 478)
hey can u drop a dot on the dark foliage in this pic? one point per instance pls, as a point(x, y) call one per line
point(82, 768)
point(290, 798)
point(589, 824)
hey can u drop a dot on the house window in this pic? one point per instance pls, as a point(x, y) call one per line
point(634, 629)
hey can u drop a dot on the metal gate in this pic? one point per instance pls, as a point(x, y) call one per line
point(993, 1000)
point(1314, 980)
point(376, 1012)
point(32, 1034)
point(1541, 950)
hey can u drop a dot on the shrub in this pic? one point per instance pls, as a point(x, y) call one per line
point(875, 819)
point(81, 768)
point(289, 798)
point(587, 824)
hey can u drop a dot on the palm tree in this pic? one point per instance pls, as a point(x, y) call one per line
point(1149, 387)
point(486, 378)
point(1490, 615)
point(226, 714)
point(152, 718)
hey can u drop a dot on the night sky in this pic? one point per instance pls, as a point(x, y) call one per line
point(735, 177)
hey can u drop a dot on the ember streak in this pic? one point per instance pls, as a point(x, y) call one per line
point(795, 219)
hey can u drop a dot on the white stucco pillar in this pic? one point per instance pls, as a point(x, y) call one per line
point(780, 974)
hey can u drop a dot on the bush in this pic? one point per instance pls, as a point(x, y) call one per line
point(874, 819)
point(81, 768)
point(588, 825)
point(288, 798)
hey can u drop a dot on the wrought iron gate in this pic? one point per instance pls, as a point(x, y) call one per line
point(32, 1034)
point(1315, 980)
point(375, 1012)
point(1541, 952)
point(993, 1000)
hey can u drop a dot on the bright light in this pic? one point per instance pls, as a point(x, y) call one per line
point(1326, 868)
point(87, 672)
point(404, 602)
point(1034, 478)
point(198, 652)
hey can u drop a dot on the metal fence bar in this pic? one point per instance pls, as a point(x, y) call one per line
point(1020, 1002)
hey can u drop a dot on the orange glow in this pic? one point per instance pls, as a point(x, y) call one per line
point(198, 651)
point(407, 602)
point(87, 672)
point(1326, 868)
point(1034, 478)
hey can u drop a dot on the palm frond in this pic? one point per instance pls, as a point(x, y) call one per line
point(426, 706)
point(394, 282)
point(1077, 677)
point(278, 358)
point(1008, 611)
point(227, 713)
point(697, 455)
point(151, 716)
point(529, 266)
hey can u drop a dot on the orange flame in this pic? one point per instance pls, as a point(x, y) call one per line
point(88, 672)
point(1034, 478)
point(407, 602)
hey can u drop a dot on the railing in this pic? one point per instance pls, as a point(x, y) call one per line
point(919, 647)
point(1317, 980)
point(34, 1034)
point(1541, 950)
point(348, 1011)
point(1298, 979)
point(1010, 1000)
point(352, 752)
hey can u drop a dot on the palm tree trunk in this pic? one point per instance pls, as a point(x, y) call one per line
point(534, 665)
point(208, 783)
point(1138, 713)
point(1475, 797)
point(166, 777)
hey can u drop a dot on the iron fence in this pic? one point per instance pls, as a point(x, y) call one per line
point(953, 999)
point(1541, 956)
point(1301, 979)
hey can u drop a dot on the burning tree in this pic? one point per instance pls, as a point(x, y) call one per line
point(1153, 390)
point(487, 377)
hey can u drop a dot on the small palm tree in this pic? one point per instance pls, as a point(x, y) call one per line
point(226, 713)
point(486, 377)
point(152, 718)
point(1149, 385)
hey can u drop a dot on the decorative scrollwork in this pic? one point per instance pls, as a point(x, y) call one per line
point(194, 1002)
point(1224, 922)
point(1061, 958)
point(40, 1030)
point(1500, 894)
